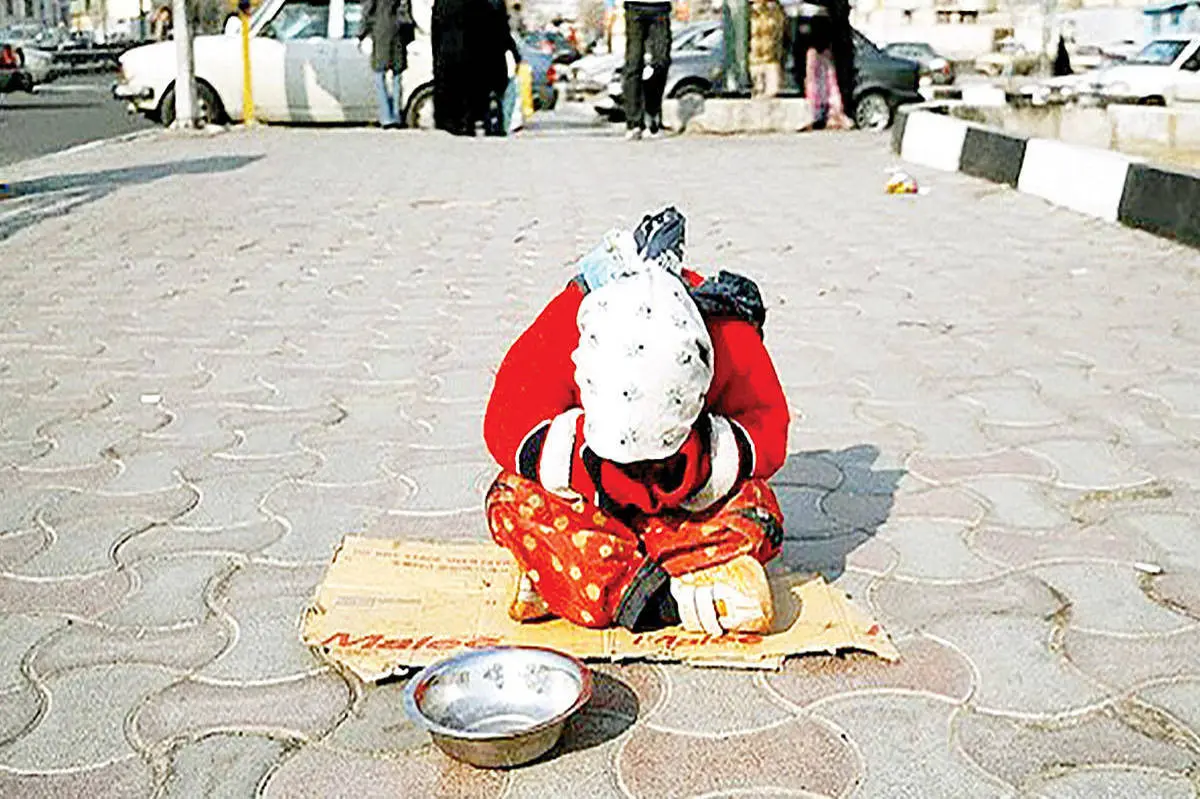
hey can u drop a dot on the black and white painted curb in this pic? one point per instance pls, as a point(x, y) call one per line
point(1100, 183)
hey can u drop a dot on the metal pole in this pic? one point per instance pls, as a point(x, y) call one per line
point(247, 83)
point(185, 68)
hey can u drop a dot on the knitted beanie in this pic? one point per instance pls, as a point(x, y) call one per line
point(643, 365)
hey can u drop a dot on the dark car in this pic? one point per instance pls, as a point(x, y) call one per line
point(935, 66)
point(883, 83)
point(13, 75)
point(555, 45)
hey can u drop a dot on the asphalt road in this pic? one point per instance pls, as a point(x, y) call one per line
point(70, 111)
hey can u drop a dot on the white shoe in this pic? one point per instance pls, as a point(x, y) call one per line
point(731, 597)
point(633, 134)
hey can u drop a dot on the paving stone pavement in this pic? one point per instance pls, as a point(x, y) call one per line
point(219, 354)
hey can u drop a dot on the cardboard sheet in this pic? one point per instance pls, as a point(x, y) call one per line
point(387, 606)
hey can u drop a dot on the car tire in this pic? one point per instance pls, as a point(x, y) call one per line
point(419, 115)
point(211, 112)
point(692, 92)
point(873, 111)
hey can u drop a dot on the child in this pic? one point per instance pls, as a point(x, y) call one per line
point(636, 421)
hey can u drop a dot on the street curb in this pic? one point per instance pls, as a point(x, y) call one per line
point(1100, 183)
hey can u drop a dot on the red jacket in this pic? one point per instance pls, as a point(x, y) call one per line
point(534, 423)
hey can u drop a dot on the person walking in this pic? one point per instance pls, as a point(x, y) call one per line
point(766, 47)
point(647, 29)
point(390, 27)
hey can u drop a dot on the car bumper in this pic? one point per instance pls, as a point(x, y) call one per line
point(132, 93)
point(905, 97)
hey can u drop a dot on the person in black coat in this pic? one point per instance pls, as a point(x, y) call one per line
point(453, 54)
point(1062, 60)
point(497, 43)
point(390, 26)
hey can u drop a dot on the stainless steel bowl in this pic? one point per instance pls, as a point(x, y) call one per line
point(501, 706)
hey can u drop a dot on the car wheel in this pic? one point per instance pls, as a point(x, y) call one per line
point(209, 111)
point(420, 109)
point(689, 92)
point(872, 111)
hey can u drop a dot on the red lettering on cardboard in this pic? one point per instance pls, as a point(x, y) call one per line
point(343, 640)
point(395, 643)
point(444, 643)
point(482, 642)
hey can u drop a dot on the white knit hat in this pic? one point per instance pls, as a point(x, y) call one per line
point(643, 365)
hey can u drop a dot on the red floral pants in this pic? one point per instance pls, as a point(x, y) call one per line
point(582, 560)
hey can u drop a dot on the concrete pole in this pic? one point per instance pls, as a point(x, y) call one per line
point(185, 67)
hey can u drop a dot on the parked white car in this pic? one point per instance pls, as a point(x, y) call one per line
point(306, 66)
point(1165, 72)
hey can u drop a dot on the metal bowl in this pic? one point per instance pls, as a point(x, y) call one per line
point(501, 706)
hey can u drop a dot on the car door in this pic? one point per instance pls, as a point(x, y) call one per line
point(356, 86)
point(295, 76)
point(1187, 83)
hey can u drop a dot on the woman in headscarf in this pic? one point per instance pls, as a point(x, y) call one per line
point(814, 66)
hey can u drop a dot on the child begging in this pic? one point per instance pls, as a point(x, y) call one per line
point(636, 422)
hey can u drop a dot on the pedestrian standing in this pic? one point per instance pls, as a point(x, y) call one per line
point(821, 87)
point(390, 27)
point(766, 47)
point(647, 30)
point(460, 53)
point(492, 83)
point(1062, 60)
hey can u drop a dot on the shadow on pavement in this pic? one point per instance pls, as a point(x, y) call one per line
point(48, 106)
point(832, 503)
point(34, 201)
point(613, 709)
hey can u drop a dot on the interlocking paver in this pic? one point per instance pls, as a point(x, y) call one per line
point(1108, 598)
point(1019, 673)
point(1022, 753)
point(304, 708)
point(129, 776)
point(991, 451)
point(1017, 503)
point(221, 765)
point(1021, 548)
point(169, 591)
point(317, 771)
point(85, 716)
point(796, 756)
point(1114, 783)
point(713, 703)
point(1123, 662)
point(905, 750)
point(81, 645)
point(260, 600)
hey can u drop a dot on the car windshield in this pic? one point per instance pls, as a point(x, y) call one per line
point(299, 19)
point(1160, 53)
point(864, 45)
point(707, 39)
point(911, 49)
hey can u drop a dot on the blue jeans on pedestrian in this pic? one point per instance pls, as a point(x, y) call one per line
point(389, 104)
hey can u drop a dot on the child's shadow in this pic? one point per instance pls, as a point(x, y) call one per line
point(832, 503)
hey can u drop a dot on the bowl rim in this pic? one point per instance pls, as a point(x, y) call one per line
point(415, 713)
